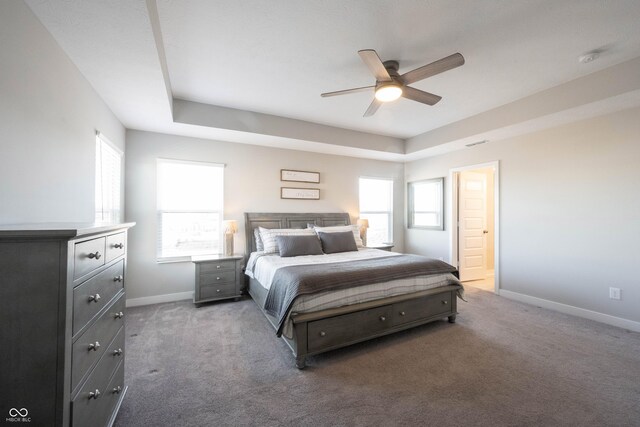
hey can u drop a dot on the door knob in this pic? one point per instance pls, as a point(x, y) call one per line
point(485, 231)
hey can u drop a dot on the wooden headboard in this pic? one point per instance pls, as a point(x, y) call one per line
point(253, 220)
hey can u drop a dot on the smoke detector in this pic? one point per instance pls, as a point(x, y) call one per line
point(588, 57)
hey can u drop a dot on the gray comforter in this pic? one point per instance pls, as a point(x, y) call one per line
point(291, 282)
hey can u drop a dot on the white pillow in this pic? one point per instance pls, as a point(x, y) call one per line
point(338, 228)
point(269, 241)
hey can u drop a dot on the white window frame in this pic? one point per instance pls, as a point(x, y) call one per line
point(389, 213)
point(411, 203)
point(183, 258)
point(107, 209)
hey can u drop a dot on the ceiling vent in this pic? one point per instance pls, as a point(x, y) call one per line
point(477, 143)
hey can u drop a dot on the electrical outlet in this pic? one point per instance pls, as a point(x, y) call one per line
point(614, 293)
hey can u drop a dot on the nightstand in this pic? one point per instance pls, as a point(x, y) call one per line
point(218, 277)
point(383, 246)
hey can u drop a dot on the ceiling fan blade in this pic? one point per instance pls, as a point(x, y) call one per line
point(372, 60)
point(346, 91)
point(375, 104)
point(440, 66)
point(420, 96)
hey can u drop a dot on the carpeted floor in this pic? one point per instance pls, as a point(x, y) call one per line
point(503, 363)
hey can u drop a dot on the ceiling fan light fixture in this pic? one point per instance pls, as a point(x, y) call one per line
point(388, 92)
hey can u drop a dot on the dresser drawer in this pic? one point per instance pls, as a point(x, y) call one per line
point(220, 277)
point(222, 290)
point(88, 256)
point(89, 410)
point(90, 297)
point(115, 246)
point(433, 305)
point(329, 332)
point(93, 343)
point(212, 267)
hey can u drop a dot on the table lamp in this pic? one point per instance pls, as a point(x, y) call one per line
point(230, 228)
point(363, 224)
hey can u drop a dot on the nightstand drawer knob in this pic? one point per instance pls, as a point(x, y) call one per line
point(119, 245)
point(217, 278)
point(402, 313)
point(118, 315)
point(217, 290)
point(382, 318)
point(95, 255)
point(117, 390)
point(94, 347)
point(117, 352)
point(118, 278)
point(323, 333)
point(218, 267)
point(94, 394)
point(445, 302)
point(94, 298)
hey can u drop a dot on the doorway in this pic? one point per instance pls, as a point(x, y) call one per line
point(474, 216)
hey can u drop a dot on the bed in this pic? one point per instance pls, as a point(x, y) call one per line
point(318, 323)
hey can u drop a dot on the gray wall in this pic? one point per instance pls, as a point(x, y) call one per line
point(252, 184)
point(569, 211)
point(48, 117)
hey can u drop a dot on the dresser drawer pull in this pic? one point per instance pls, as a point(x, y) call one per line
point(218, 267)
point(117, 390)
point(117, 352)
point(96, 255)
point(118, 245)
point(118, 315)
point(217, 290)
point(94, 298)
point(323, 333)
point(217, 278)
point(382, 318)
point(445, 302)
point(402, 313)
point(94, 347)
point(94, 394)
point(118, 278)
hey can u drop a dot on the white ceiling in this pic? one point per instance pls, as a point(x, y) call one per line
point(276, 57)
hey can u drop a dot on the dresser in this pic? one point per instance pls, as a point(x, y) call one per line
point(218, 277)
point(62, 323)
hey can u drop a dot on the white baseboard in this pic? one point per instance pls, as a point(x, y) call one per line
point(575, 311)
point(157, 299)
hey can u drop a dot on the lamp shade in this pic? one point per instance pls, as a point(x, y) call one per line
point(363, 223)
point(230, 226)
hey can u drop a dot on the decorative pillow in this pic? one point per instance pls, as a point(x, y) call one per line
point(337, 241)
point(268, 236)
point(299, 245)
point(259, 245)
point(341, 228)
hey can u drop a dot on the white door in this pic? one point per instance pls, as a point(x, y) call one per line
point(472, 229)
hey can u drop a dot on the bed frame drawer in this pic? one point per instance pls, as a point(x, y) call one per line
point(338, 330)
point(422, 308)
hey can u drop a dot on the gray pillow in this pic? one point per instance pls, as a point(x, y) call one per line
point(256, 235)
point(341, 241)
point(298, 245)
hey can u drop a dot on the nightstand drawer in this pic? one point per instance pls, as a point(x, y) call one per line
point(88, 256)
point(215, 278)
point(90, 297)
point(212, 267)
point(218, 291)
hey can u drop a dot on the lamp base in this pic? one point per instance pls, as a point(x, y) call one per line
point(228, 244)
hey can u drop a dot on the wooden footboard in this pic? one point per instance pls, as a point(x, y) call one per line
point(325, 330)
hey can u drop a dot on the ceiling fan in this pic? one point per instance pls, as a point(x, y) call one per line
point(390, 85)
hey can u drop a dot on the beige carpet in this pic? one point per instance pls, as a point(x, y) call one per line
point(503, 363)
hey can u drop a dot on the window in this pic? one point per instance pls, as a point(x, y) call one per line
point(190, 208)
point(426, 204)
point(376, 205)
point(108, 179)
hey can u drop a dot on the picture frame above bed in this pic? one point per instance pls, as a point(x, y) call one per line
point(299, 176)
point(300, 193)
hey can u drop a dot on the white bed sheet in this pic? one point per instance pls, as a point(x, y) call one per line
point(263, 268)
